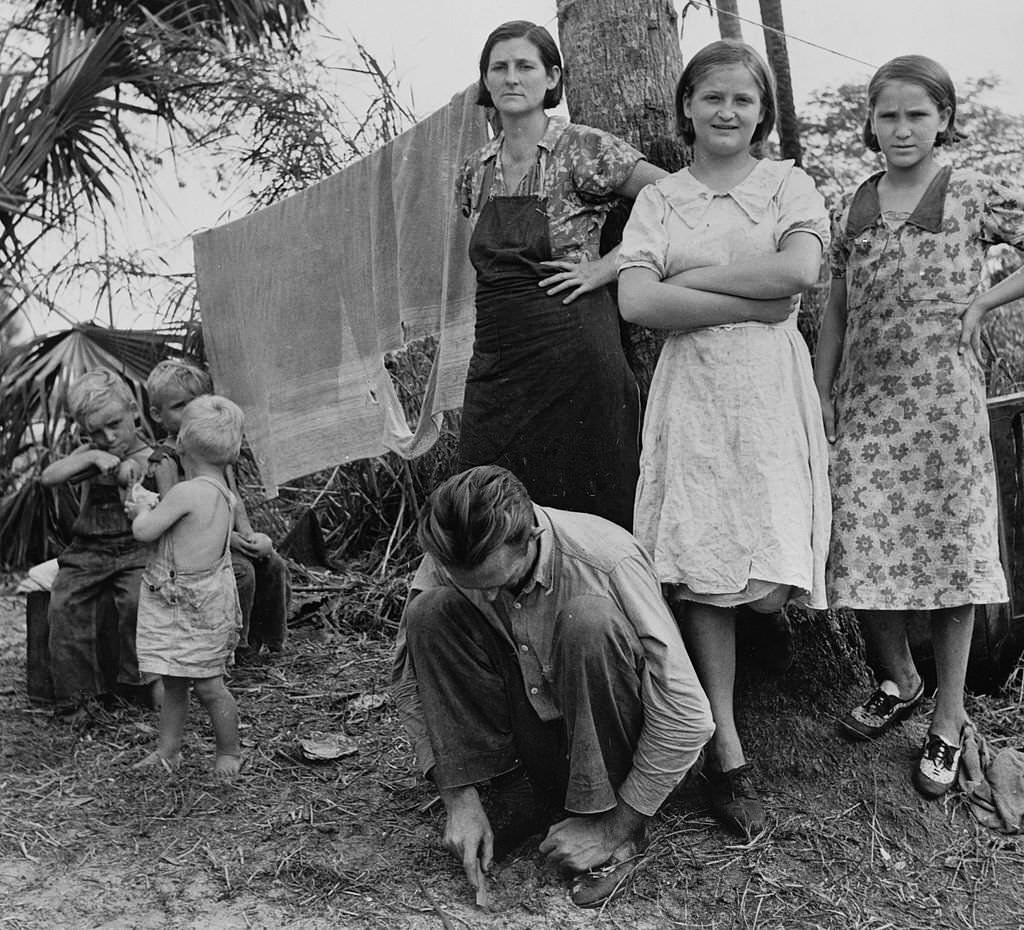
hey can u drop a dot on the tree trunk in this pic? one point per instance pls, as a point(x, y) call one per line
point(778, 58)
point(729, 25)
point(622, 61)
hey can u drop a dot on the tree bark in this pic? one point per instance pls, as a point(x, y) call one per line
point(729, 25)
point(778, 58)
point(622, 62)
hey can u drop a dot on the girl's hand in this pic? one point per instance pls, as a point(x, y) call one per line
point(970, 330)
point(828, 416)
point(771, 311)
point(582, 276)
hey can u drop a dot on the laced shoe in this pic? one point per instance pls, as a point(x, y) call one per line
point(880, 712)
point(936, 771)
point(735, 801)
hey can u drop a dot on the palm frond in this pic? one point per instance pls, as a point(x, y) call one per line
point(34, 378)
point(240, 22)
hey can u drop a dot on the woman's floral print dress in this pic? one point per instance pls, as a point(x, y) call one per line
point(913, 483)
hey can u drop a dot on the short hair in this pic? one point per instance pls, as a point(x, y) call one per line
point(177, 372)
point(929, 75)
point(90, 391)
point(211, 428)
point(541, 39)
point(721, 54)
point(472, 514)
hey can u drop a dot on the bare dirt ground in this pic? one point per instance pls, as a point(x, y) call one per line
point(86, 842)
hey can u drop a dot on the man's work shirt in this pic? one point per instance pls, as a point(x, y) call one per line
point(584, 555)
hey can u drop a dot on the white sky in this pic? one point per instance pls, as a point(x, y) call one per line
point(435, 44)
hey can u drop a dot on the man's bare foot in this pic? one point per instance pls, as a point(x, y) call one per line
point(227, 767)
point(154, 760)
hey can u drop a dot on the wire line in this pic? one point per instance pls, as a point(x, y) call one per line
point(783, 33)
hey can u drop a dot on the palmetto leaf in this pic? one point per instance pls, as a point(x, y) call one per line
point(34, 378)
point(59, 135)
point(243, 23)
point(34, 425)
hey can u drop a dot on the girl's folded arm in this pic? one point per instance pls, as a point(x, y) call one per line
point(649, 301)
point(794, 268)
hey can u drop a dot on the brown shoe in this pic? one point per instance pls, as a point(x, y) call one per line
point(735, 801)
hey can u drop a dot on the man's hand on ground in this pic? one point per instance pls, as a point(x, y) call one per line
point(467, 832)
point(580, 843)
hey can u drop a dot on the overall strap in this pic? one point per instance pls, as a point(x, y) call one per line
point(229, 499)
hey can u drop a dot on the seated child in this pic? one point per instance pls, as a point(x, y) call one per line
point(100, 571)
point(189, 618)
point(260, 573)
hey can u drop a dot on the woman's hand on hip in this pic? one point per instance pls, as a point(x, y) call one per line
point(577, 277)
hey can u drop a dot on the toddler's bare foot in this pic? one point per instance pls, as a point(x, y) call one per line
point(155, 760)
point(227, 767)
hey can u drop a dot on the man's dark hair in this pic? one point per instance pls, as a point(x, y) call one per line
point(473, 514)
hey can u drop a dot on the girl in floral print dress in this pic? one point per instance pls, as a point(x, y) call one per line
point(903, 397)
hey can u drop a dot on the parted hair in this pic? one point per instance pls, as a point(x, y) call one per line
point(473, 514)
point(90, 391)
point(177, 373)
point(211, 429)
point(550, 57)
point(720, 54)
point(928, 74)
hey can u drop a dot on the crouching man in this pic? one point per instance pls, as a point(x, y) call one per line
point(536, 650)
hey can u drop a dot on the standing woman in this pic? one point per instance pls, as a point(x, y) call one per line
point(549, 394)
point(733, 500)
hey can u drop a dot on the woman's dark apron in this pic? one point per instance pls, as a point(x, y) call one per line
point(549, 394)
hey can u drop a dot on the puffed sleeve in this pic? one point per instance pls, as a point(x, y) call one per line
point(1002, 219)
point(645, 238)
point(839, 251)
point(801, 209)
point(602, 163)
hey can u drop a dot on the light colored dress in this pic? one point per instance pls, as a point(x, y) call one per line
point(733, 497)
point(189, 621)
point(915, 510)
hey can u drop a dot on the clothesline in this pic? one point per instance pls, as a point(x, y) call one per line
point(784, 34)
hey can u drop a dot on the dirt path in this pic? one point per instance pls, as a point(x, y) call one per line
point(85, 842)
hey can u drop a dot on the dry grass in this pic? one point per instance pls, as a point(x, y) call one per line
point(85, 841)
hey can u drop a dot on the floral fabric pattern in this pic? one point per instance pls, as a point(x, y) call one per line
point(578, 169)
point(913, 482)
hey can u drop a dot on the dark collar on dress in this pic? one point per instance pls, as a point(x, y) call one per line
point(927, 215)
